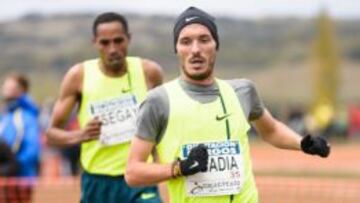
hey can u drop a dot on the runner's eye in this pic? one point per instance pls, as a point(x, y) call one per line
point(104, 42)
point(118, 40)
point(185, 41)
point(204, 39)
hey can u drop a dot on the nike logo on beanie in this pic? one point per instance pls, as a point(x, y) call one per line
point(188, 19)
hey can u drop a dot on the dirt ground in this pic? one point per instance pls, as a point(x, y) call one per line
point(343, 160)
point(282, 177)
point(293, 177)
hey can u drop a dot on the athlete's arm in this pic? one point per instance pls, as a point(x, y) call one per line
point(276, 133)
point(69, 94)
point(141, 173)
point(151, 117)
point(153, 73)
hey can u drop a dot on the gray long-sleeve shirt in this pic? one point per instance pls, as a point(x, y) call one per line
point(154, 111)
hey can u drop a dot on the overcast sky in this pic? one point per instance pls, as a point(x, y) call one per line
point(239, 8)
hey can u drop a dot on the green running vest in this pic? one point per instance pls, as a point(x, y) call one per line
point(95, 157)
point(193, 122)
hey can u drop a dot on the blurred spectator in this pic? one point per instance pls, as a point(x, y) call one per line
point(336, 125)
point(296, 120)
point(45, 113)
point(354, 121)
point(8, 164)
point(19, 133)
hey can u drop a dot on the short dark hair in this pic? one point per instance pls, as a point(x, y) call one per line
point(21, 79)
point(110, 17)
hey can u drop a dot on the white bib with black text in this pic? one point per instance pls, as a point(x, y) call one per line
point(225, 173)
point(118, 117)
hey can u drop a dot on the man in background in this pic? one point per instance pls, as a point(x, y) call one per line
point(108, 91)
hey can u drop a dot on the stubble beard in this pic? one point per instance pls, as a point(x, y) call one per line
point(115, 65)
point(200, 76)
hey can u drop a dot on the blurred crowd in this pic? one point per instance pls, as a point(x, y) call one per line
point(24, 154)
point(343, 124)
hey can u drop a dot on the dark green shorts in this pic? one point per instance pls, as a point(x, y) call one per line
point(109, 189)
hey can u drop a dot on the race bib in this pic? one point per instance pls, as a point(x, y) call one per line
point(225, 174)
point(118, 117)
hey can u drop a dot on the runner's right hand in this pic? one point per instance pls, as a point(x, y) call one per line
point(196, 161)
point(92, 130)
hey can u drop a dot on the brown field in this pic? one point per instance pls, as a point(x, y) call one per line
point(342, 162)
point(292, 177)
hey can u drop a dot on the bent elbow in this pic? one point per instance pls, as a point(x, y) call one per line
point(131, 177)
point(49, 137)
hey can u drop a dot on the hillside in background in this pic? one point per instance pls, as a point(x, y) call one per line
point(269, 51)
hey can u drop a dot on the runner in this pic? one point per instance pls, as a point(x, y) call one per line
point(108, 90)
point(198, 125)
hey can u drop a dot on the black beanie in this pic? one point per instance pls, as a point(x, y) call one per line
point(195, 15)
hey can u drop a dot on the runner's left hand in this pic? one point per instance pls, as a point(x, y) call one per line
point(315, 146)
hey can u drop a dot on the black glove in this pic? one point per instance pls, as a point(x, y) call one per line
point(196, 161)
point(315, 146)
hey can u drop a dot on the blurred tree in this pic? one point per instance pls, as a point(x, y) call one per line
point(325, 73)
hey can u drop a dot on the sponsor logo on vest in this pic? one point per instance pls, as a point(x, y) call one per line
point(222, 117)
point(126, 90)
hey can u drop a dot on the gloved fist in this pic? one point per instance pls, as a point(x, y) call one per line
point(196, 161)
point(315, 146)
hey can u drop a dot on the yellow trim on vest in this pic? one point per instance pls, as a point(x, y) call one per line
point(193, 122)
point(96, 158)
